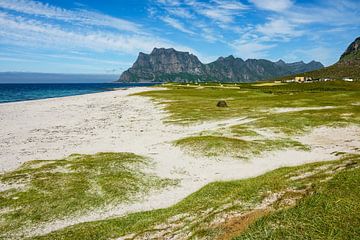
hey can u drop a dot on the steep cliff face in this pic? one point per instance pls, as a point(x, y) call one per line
point(164, 65)
point(352, 53)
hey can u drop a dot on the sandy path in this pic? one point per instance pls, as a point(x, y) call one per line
point(115, 122)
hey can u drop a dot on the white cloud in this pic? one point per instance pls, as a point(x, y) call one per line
point(331, 13)
point(273, 5)
point(34, 8)
point(279, 28)
point(16, 30)
point(221, 11)
point(250, 49)
point(176, 24)
point(319, 53)
point(180, 12)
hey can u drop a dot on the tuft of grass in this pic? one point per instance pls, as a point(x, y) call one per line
point(48, 190)
point(196, 216)
point(212, 146)
point(330, 213)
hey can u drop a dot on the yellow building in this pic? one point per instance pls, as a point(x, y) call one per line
point(299, 79)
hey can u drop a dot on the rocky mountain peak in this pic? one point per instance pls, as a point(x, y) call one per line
point(230, 57)
point(168, 64)
point(352, 53)
point(280, 61)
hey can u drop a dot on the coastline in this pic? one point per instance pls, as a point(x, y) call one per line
point(19, 92)
point(24, 118)
point(114, 121)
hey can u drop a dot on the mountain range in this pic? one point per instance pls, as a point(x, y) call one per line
point(169, 65)
point(348, 65)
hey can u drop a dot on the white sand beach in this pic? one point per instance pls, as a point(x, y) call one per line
point(116, 122)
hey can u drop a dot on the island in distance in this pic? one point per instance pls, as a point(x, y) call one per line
point(170, 65)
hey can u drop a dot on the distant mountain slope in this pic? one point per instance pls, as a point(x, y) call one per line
point(347, 66)
point(165, 65)
point(352, 53)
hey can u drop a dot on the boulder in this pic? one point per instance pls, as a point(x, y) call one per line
point(221, 103)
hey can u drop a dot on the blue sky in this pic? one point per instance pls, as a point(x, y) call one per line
point(105, 36)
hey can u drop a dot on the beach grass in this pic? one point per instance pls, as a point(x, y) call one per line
point(289, 196)
point(43, 191)
point(330, 213)
point(281, 110)
point(188, 104)
point(215, 146)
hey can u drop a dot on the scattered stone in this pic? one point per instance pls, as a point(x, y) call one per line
point(221, 103)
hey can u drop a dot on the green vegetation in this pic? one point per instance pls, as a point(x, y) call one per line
point(336, 104)
point(194, 103)
point(318, 200)
point(43, 191)
point(336, 71)
point(200, 214)
point(330, 213)
point(212, 146)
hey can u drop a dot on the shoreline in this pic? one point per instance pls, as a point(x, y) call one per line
point(114, 121)
point(103, 90)
point(34, 120)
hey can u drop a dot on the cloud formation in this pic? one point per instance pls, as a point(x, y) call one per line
point(277, 6)
point(246, 28)
point(69, 29)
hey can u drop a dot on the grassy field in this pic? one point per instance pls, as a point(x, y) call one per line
point(252, 209)
point(42, 191)
point(330, 213)
point(194, 103)
point(306, 106)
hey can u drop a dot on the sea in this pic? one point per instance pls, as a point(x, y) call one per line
point(34, 91)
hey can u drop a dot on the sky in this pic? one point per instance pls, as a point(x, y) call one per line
point(105, 36)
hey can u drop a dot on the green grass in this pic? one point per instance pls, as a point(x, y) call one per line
point(336, 71)
point(191, 104)
point(52, 190)
point(332, 212)
point(212, 146)
point(196, 214)
point(188, 104)
point(299, 122)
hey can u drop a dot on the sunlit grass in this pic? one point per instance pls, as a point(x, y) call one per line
point(203, 206)
point(189, 104)
point(48, 190)
point(214, 146)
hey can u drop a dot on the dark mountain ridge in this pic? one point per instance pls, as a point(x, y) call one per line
point(348, 65)
point(169, 65)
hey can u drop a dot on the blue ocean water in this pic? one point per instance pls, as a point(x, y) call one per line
point(33, 91)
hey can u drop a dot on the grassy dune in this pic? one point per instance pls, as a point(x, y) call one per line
point(213, 146)
point(284, 197)
point(42, 191)
point(330, 213)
